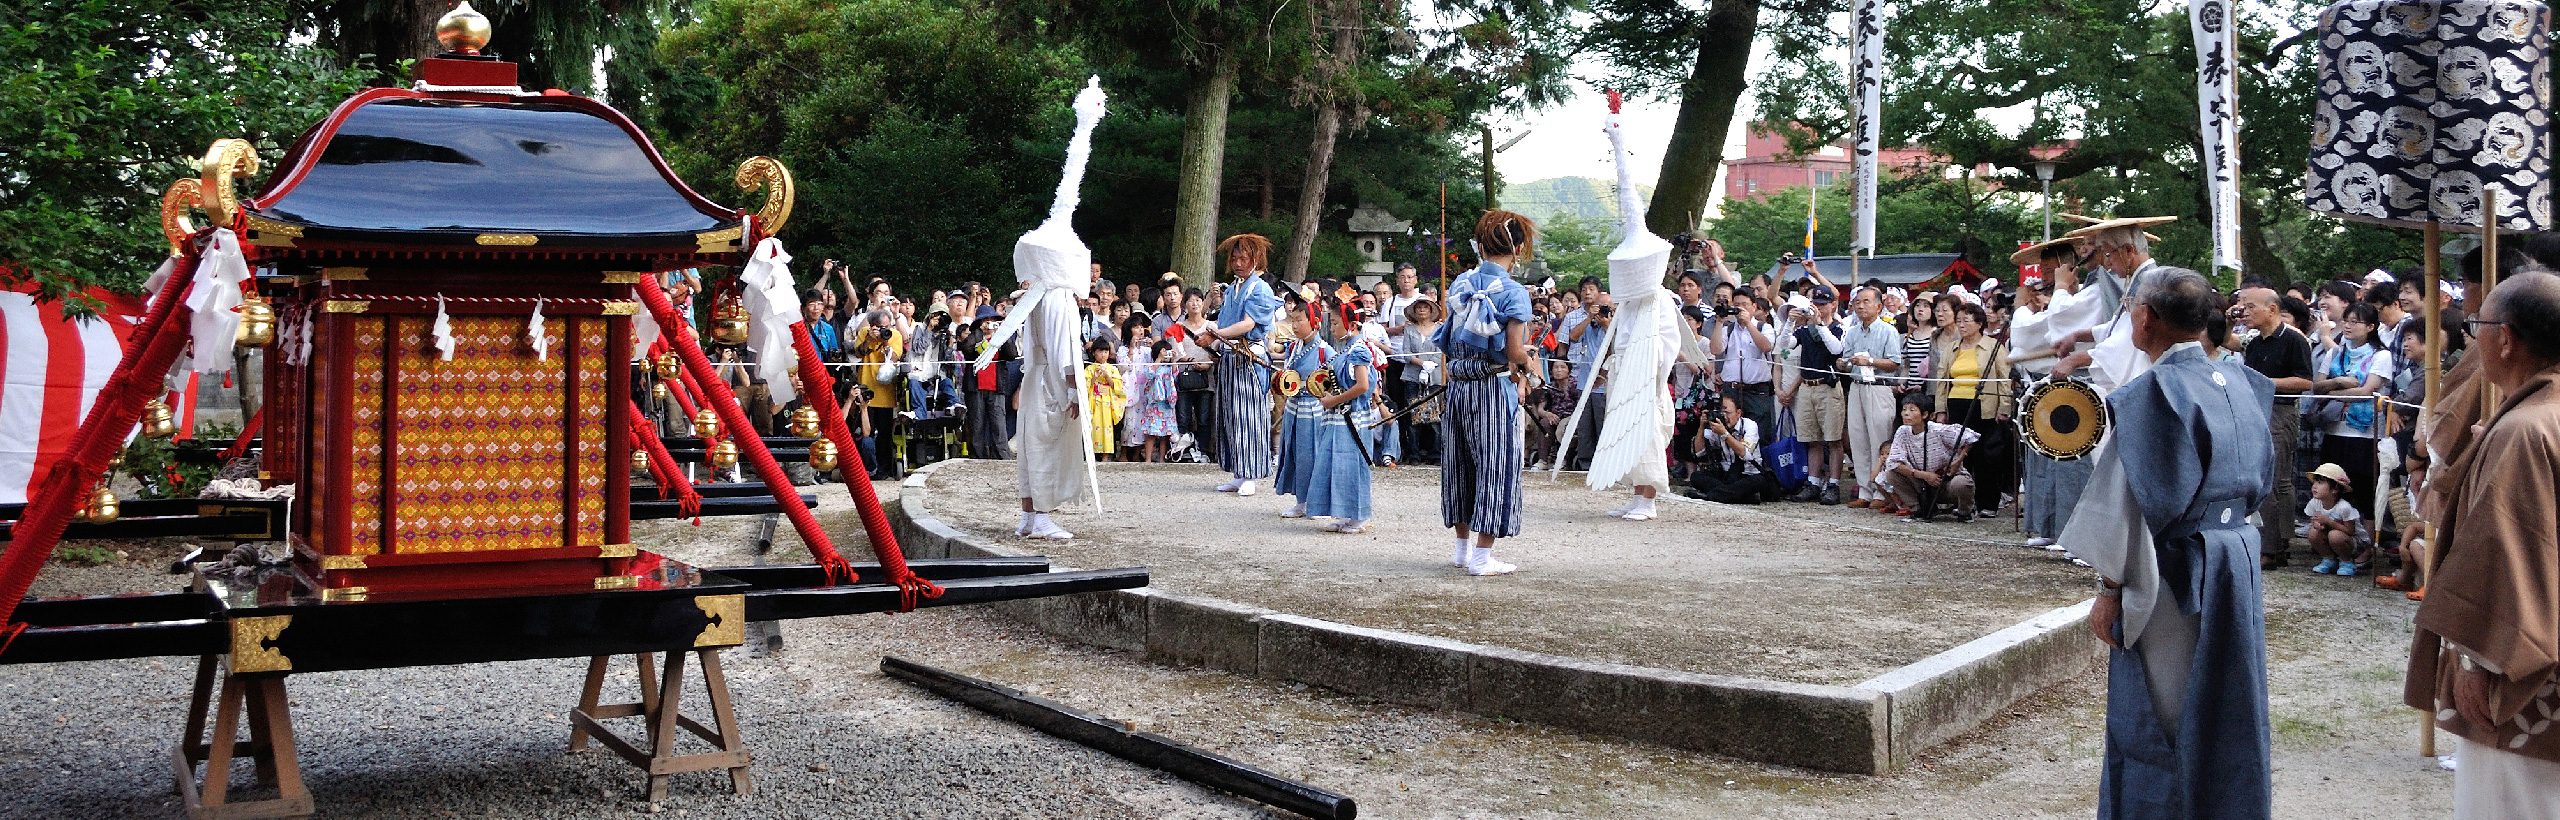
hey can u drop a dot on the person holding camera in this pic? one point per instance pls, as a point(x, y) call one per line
point(1926, 464)
point(1740, 342)
point(1819, 401)
point(877, 346)
point(1730, 440)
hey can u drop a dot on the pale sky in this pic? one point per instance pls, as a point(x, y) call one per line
point(1566, 141)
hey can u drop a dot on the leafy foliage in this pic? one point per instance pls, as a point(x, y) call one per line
point(103, 103)
point(1919, 214)
point(153, 464)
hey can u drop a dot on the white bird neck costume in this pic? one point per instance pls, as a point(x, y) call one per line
point(1052, 451)
point(1643, 340)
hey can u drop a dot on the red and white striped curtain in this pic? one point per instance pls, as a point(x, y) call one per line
point(51, 369)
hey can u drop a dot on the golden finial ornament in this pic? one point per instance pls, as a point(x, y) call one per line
point(668, 366)
point(182, 196)
point(706, 424)
point(769, 174)
point(724, 455)
point(462, 30)
point(156, 420)
point(257, 321)
point(639, 461)
point(729, 321)
point(229, 160)
point(804, 422)
point(822, 455)
point(658, 391)
point(103, 506)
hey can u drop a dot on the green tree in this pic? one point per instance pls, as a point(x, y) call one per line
point(1573, 246)
point(1923, 213)
point(900, 118)
point(1698, 54)
point(103, 103)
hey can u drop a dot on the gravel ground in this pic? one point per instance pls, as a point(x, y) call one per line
point(1707, 588)
point(832, 737)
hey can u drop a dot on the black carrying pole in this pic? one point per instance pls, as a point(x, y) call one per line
point(1143, 748)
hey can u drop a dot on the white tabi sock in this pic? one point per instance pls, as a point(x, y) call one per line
point(1459, 558)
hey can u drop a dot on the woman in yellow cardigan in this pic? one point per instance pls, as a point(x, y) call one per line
point(1972, 389)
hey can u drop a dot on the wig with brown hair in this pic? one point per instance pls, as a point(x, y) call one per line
point(1503, 233)
point(1254, 245)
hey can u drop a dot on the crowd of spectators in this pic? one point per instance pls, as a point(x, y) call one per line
point(1913, 384)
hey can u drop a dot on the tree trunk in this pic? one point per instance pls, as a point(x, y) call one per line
point(2257, 259)
point(1696, 152)
point(1492, 181)
point(1204, 160)
point(1302, 237)
point(1266, 189)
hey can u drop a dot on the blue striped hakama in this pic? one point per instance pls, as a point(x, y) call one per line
point(1336, 481)
point(1244, 386)
point(1480, 447)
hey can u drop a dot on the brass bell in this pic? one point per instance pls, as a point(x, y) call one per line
point(729, 322)
point(156, 421)
point(257, 322)
point(822, 455)
point(658, 391)
point(804, 422)
point(724, 454)
point(102, 505)
point(668, 365)
point(706, 424)
point(639, 461)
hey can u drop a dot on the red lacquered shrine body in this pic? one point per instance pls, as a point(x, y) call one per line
point(498, 466)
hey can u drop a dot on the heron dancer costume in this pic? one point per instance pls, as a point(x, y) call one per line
point(2187, 727)
point(1054, 451)
point(1635, 433)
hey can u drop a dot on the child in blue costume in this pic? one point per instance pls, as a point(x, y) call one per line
point(1296, 354)
point(1338, 486)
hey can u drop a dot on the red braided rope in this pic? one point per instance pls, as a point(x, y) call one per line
point(662, 468)
point(751, 445)
point(819, 390)
point(137, 377)
point(240, 446)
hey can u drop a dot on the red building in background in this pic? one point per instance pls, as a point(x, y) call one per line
point(1765, 168)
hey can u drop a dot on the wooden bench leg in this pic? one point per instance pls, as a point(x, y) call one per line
point(662, 725)
point(261, 700)
point(661, 712)
point(588, 696)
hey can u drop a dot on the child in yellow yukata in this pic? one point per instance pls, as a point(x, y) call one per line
point(1110, 395)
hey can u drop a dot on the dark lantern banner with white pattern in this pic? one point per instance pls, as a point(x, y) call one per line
point(2424, 106)
point(2218, 115)
point(1866, 72)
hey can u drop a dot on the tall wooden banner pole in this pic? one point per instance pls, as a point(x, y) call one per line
point(2435, 376)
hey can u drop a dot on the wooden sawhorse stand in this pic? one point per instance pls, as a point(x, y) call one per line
point(259, 698)
point(658, 704)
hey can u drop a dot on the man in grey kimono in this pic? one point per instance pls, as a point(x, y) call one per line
point(2165, 521)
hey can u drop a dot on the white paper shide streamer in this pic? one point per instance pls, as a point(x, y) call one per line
point(2218, 112)
point(537, 335)
point(442, 331)
point(772, 307)
point(215, 320)
point(1866, 64)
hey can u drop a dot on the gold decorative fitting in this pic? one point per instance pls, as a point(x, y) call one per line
point(623, 277)
point(658, 391)
point(257, 322)
point(804, 422)
point(724, 455)
point(640, 458)
point(706, 424)
point(343, 595)
point(728, 614)
point(250, 651)
point(769, 174)
point(668, 365)
point(621, 309)
point(506, 239)
point(618, 551)
point(342, 562)
point(617, 582)
point(729, 321)
point(723, 240)
point(270, 233)
point(346, 305)
point(103, 505)
point(822, 455)
point(462, 30)
point(230, 159)
point(182, 196)
point(156, 420)
point(344, 274)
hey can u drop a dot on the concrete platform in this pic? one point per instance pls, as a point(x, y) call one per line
point(1819, 637)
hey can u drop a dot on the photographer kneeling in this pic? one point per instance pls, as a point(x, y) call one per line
point(1734, 474)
